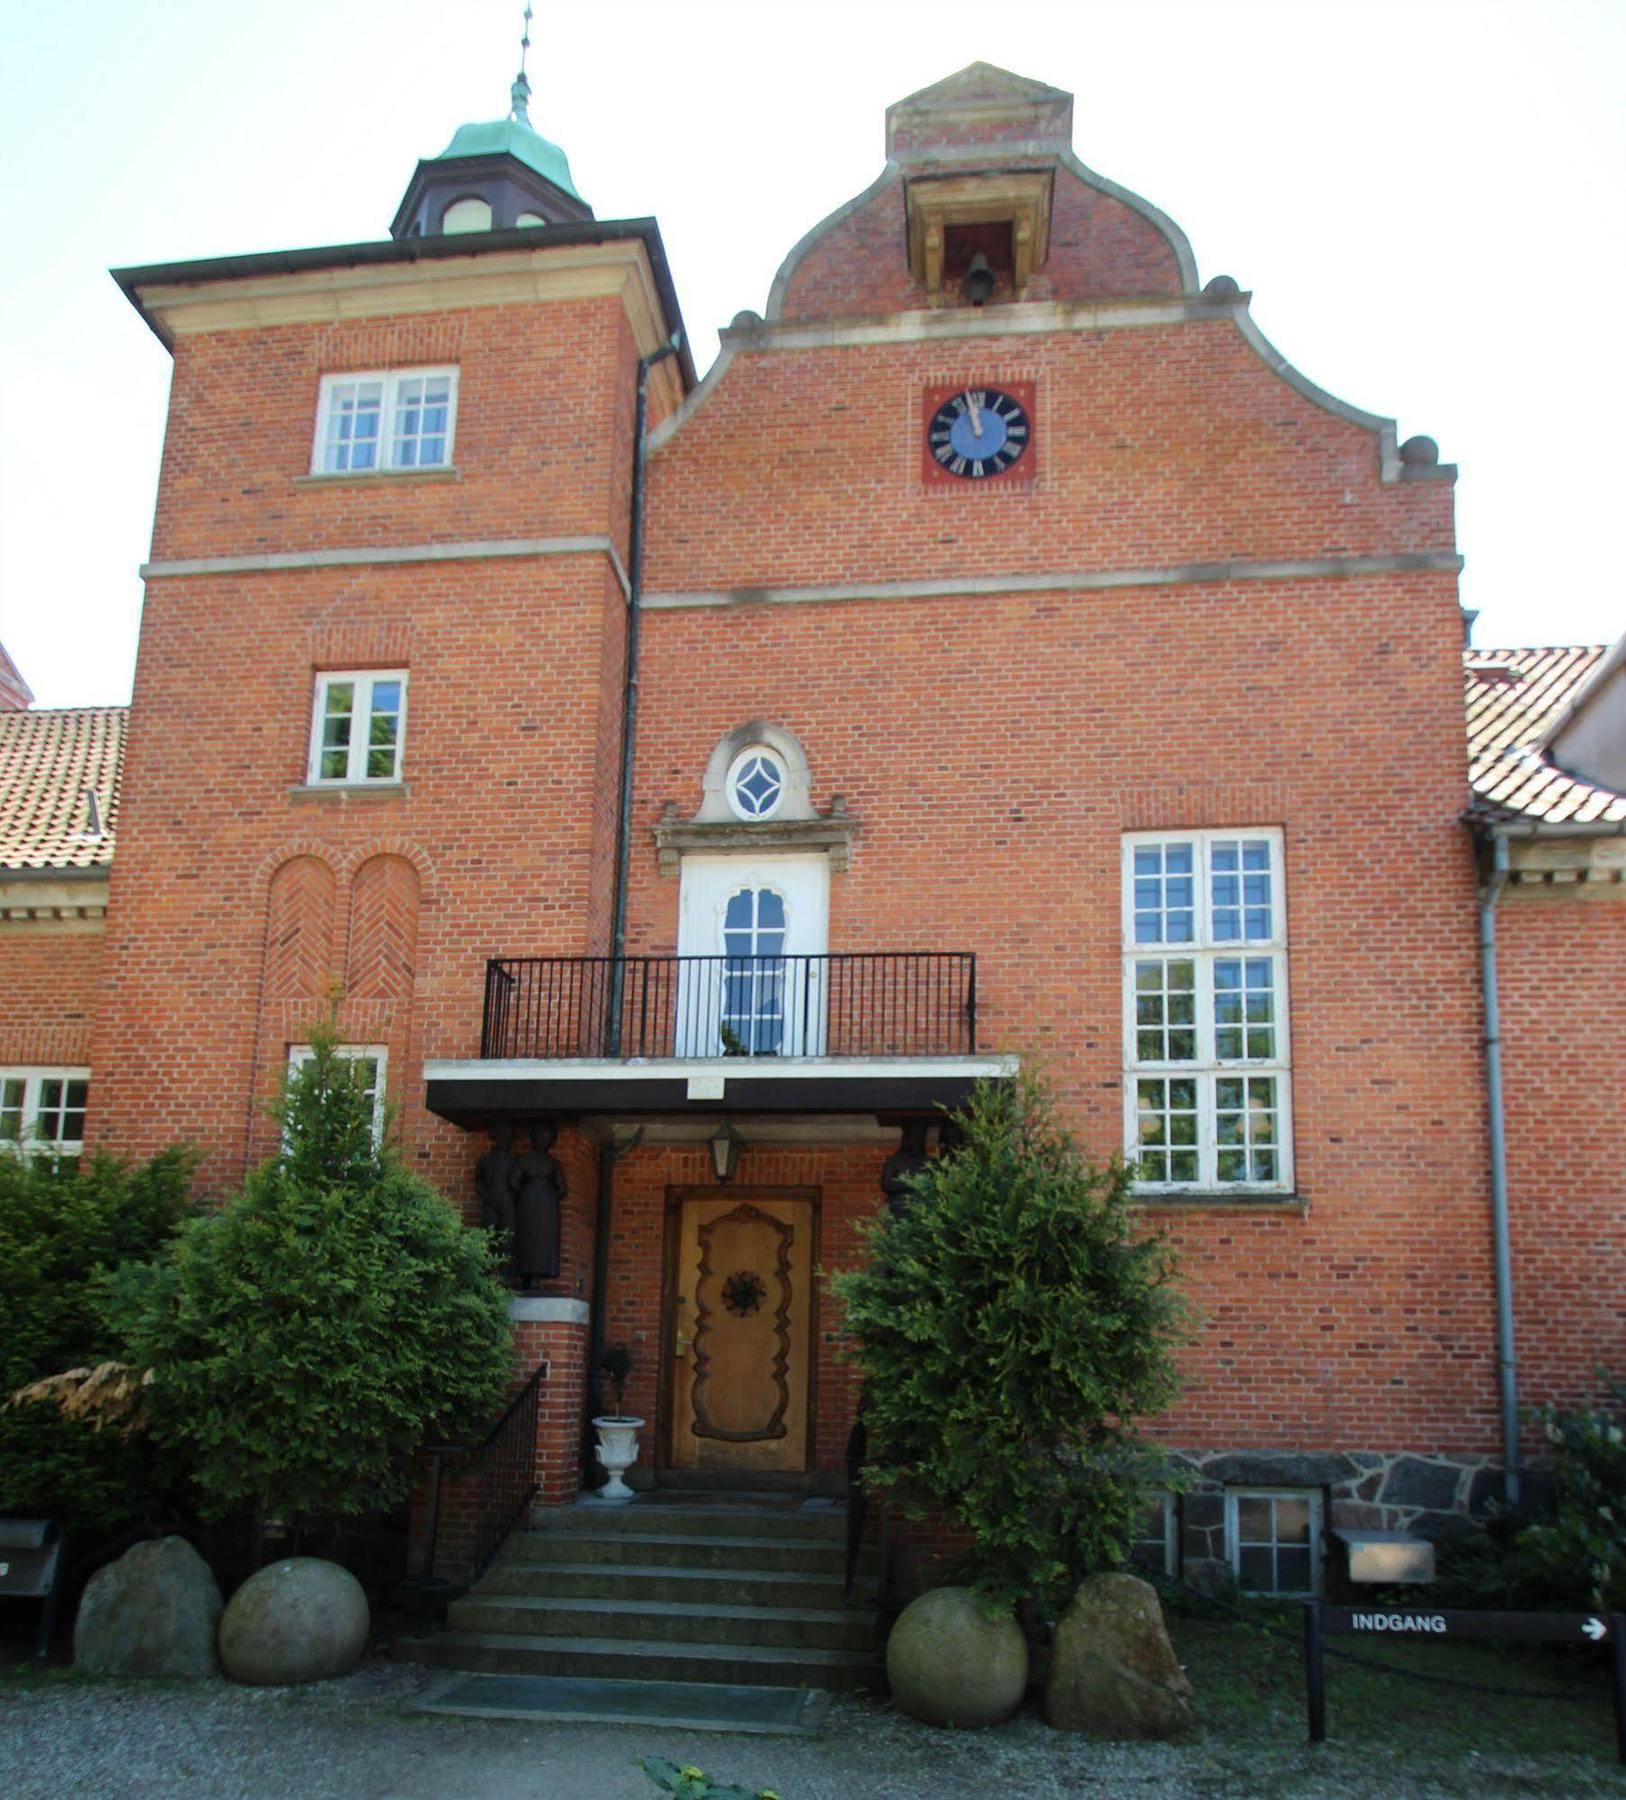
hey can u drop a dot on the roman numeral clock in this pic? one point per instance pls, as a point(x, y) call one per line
point(977, 433)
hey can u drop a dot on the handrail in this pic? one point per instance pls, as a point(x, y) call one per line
point(839, 1003)
point(505, 1473)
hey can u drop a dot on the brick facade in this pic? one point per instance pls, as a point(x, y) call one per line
point(1221, 602)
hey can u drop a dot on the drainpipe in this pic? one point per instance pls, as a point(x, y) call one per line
point(1506, 1361)
point(629, 700)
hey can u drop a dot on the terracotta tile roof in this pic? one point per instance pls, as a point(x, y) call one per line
point(48, 760)
point(1513, 697)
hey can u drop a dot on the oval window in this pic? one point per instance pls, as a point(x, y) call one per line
point(756, 783)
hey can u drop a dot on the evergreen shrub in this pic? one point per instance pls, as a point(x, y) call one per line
point(1013, 1326)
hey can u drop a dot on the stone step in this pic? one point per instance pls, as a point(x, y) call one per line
point(698, 1518)
point(668, 1581)
point(665, 1622)
point(808, 1555)
point(616, 1659)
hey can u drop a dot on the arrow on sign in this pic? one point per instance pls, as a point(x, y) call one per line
point(1596, 1630)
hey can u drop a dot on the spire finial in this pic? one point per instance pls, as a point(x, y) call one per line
point(519, 94)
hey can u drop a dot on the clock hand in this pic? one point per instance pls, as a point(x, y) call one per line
point(976, 413)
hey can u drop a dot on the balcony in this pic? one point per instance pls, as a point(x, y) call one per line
point(851, 1032)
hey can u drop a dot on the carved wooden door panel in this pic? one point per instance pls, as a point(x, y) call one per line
point(741, 1341)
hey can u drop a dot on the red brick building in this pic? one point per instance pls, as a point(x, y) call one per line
point(1018, 661)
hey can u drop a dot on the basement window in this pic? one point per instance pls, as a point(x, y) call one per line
point(1273, 1540)
point(1156, 1548)
point(357, 727)
point(389, 419)
point(42, 1111)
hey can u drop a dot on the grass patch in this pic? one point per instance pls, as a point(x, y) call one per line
point(1250, 1689)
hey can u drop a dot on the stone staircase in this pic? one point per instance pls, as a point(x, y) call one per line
point(674, 1587)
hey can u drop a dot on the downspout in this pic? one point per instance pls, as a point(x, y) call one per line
point(1506, 1361)
point(629, 698)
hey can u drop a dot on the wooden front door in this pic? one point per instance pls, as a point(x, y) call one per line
point(740, 1331)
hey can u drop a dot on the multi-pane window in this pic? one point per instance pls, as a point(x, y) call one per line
point(1273, 1539)
point(357, 729)
point(374, 1059)
point(753, 972)
point(1205, 1010)
point(391, 419)
point(43, 1110)
point(1157, 1544)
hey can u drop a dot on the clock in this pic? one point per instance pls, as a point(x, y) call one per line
point(979, 433)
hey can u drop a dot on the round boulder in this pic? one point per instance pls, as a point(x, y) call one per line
point(1113, 1671)
point(301, 1619)
point(153, 1612)
point(949, 1663)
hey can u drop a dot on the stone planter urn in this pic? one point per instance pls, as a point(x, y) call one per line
point(617, 1451)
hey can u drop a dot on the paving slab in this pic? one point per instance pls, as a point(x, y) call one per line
point(576, 1700)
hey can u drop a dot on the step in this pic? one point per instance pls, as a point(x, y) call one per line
point(670, 1581)
point(677, 1705)
point(809, 1555)
point(698, 1518)
point(505, 1653)
point(666, 1622)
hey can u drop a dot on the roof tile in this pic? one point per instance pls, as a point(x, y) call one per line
point(49, 761)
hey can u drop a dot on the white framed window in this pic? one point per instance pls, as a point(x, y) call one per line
point(377, 420)
point(42, 1111)
point(374, 1057)
point(1273, 1540)
point(1157, 1547)
point(755, 784)
point(1207, 1091)
point(357, 726)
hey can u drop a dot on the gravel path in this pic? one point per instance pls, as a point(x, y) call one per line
point(182, 1741)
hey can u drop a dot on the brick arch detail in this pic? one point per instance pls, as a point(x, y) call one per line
point(382, 945)
point(299, 927)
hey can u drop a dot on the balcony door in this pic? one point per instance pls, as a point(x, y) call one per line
point(757, 929)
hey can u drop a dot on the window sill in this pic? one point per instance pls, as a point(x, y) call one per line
point(374, 477)
point(346, 790)
point(1226, 1203)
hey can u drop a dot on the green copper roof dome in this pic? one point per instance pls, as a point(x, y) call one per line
point(513, 137)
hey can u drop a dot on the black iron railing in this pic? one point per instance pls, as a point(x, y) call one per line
point(498, 1473)
point(858, 1003)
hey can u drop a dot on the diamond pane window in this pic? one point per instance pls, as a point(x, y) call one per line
point(756, 784)
point(358, 727)
point(385, 420)
point(1215, 1011)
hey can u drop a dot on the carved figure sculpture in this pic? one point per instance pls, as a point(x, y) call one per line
point(496, 1177)
point(906, 1160)
point(538, 1202)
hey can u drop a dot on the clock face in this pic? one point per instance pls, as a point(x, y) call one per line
point(978, 433)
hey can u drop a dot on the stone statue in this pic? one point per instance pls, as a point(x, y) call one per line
point(538, 1199)
point(909, 1157)
point(496, 1177)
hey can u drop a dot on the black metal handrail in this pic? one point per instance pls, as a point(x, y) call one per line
point(502, 1466)
point(850, 1003)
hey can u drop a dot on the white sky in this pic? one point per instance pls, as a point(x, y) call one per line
point(1428, 201)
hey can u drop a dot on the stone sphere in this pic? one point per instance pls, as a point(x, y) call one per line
point(1420, 452)
point(300, 1619)
point(1221, 287)
point(948, 1663)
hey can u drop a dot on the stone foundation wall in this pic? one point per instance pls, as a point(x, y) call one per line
point(1434, 1497)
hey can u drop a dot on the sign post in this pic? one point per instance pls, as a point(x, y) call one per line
point(1426, 1622)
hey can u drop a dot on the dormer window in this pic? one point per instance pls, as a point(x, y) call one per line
point(374, 422)
point(467, 214)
